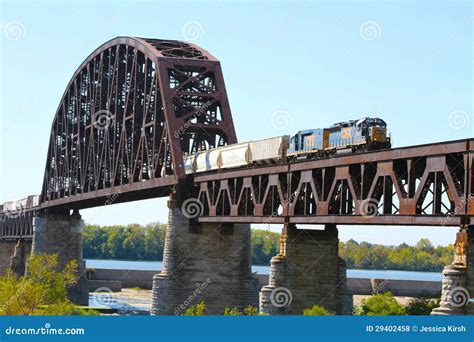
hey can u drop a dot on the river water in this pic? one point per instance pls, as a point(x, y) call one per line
point(380, 274)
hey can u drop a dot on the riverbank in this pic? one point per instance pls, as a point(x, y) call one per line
point(115, 280)
point(132, 301)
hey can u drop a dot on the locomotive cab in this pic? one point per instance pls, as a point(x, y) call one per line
point(375, 132)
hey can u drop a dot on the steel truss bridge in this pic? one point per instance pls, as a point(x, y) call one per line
point(136, 105)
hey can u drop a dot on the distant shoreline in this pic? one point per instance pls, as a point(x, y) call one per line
point(155, 266)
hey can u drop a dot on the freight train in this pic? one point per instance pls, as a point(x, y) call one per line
point(366, 134)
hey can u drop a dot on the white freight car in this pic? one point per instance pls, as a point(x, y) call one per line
point(235, 155)
point(189, 163)
point(24, 203)
point(207, 160)
point(269, 151)
point(260, 152)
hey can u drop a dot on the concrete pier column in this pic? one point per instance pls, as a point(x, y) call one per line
point(20, 256)
point(61, 233)
point(204, 262)
point(308, 271)
point(458, 278)
point(7, 249)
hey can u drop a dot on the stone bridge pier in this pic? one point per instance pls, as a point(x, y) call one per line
point(457, 294)
point(308, 271)
point(7, 249)
point(20, 256)
point(59, 232)
point(204, 262)
point(13, 255)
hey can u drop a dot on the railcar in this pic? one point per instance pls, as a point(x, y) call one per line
point(259, 152)
point(366, 134)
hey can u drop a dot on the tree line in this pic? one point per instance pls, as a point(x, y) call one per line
point(136, 242)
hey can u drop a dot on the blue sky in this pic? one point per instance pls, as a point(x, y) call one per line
point(318, 62)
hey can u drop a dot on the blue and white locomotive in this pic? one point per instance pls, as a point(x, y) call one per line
point(366, 134)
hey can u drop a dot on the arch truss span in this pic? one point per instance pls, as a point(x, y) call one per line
point(129, 113)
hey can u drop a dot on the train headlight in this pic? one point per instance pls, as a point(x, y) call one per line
point(378, 134)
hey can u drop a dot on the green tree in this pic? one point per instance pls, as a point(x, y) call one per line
point(134, 242)
point(196, 310)
point(115, 241)
point(382, 305)
point(421, 306)
point(317, 310)
point(265, 245)
point(251, 311)
point(232, 312)
point(95, 242)
point(248, 311)
point(154, 241)
point(424, 245)
point(42, 292)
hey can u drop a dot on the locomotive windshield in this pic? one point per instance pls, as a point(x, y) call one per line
point(377, 122)
point(370, 122)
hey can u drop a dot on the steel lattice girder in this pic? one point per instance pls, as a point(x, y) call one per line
point(130, 111)
point(21, 226)
point(419, 185)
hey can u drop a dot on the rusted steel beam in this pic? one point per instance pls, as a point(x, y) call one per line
point(341, 220)
point(159, 187)
point(443, 148)
point(246, 172)
point(16, 218)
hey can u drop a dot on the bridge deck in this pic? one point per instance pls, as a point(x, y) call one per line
point(428, 184)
